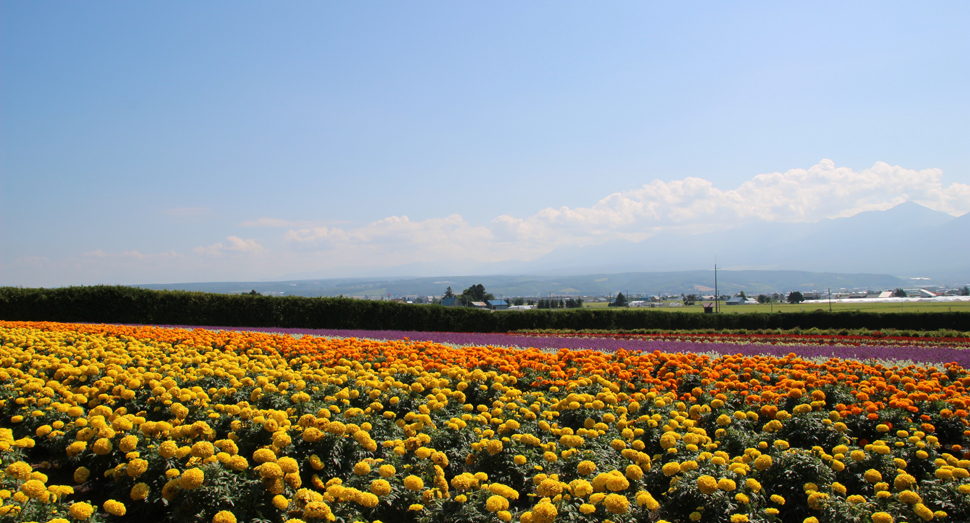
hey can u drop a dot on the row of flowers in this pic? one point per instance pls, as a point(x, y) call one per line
point(876, 339)
point(113, 423)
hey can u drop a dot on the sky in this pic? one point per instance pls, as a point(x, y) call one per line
point(164, 142)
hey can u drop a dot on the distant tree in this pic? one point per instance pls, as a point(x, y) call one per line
point(620, 301)
point(449, 293)
point(899, 293)
point(530, 302)
point(690, 299)
point(965, 291)
point(764, 299)
point(741, 294)
point(795, 297)
point(475, 293)
point(253, 293)
point(518, 301)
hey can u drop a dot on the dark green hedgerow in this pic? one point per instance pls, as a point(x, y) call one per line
point(117, 304)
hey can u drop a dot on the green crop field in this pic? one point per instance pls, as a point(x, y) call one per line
point(959, 306)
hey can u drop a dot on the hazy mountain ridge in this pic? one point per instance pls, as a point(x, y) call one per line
point(871, 250)
point(649, 283)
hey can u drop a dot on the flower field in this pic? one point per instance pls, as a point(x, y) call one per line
point(127, 423)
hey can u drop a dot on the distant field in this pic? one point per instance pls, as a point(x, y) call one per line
point(961, 306)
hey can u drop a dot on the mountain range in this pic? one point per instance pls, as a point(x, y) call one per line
point(906, 246)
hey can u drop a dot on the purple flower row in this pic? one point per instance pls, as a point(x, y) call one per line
point(936, 355)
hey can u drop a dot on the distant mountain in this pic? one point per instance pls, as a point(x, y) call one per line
point(874, 250)
point(908, 240)
point(634, 283)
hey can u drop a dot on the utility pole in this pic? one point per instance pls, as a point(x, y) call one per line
point(717, 307)
point(830, 299)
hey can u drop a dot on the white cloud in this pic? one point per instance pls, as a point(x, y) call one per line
point(234, 244)
point(276, 222)
point(691, 205)
point(688, 206)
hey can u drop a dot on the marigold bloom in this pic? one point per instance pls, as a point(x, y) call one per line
point(115, 508)
point(616, 503)
point(139, 491)
point(81, 510)
point(380, 487)
point(707, 484)
point(224, 516)
point(414, 483)
point(191, 479)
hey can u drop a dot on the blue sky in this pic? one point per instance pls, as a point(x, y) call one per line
point(161, 142)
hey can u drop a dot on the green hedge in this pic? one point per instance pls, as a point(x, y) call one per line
point(108, 304)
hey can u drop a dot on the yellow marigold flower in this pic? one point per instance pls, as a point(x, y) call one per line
point(645, 499)
point(413, 483)
point(855, 499)
point(416, 507)
point(739, 518)
point(839, 488)
point(811, 519)
point(288, 465)
point(318, 510)
point(362, 468)
point(742, 498)
point(136, 467)
point(707, 484)
point(881, 517)
point(270, 470)
point(102, 446)
point(496, 503)
point(203, 449)
point(128, 443)
point(280, 502)
point(387, 471)
point(873, 476)
point(762, 462)
point(76, 448)
point(548, 488)
point(115, 508)
point(586, 508)
point(264, 456)
point(81, 474)
point(139, 491)
point(380, 487)
point(34, 489)
point(544, 512)
point(909, 497)
point(776, 498)
point(671, 468)
point(224, 516)
point(494, 446)
point(81, 510)
point(19, 470)
point(724, 420)
point(168, 449)
point(753, 484)
point(634, 472)
point(519, 459)
point(616, 482)
point(170, 490)
point(191, 479)
point(857, 455)
point(586, 467)
point(727, 485)
point(616, 503)
point(923, 511)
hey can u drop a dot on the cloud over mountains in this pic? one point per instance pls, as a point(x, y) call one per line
point(681, 207)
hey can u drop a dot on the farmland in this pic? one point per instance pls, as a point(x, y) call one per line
point(860, 306)
point(127, 423)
